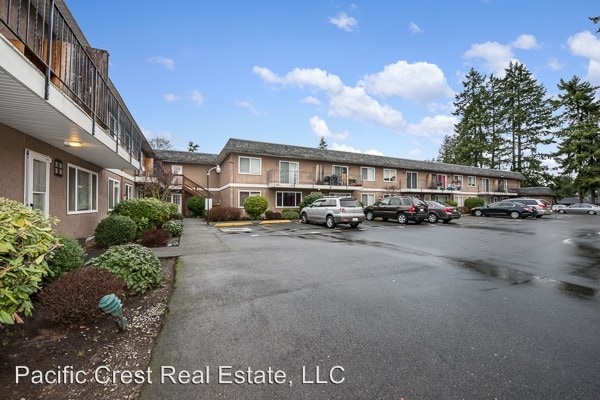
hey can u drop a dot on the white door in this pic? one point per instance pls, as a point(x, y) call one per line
point(176, 199)
point(288, 172)
point(37, 181)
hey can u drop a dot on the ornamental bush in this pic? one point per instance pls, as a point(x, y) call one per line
point(26, 240)
point(154, 237)
point(173, 227)
point(290, 214)
point(223, 213)
point(146, 213)
point(255, 206)
point(136, 265)
point(196, 205)
point(473, 202)
point(308, 200)
point(73, 298)
point(68, 256)
point(114, 230)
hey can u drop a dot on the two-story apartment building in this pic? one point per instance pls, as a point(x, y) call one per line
point(284, 174)
point(69, 145)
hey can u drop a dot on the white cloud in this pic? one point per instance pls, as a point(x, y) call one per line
point(414, 153)
point(526, 42)
point(344, 21)
point(587, 45)
point(419, 81)
point(196, 98)
point(170, 97)
point(436, 126)
point(249, 106)
point(164, 61)
point(554, 64)
point(374, 152)
point(311, 100)
point(344, 147)
point(496, 56)
point(414, 28)
point(319, 126)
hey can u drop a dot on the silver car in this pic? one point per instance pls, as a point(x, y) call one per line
point(542, 206)
point(332, 211)
point(580, 208)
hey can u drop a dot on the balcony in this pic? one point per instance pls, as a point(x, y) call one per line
point(308, 180)
point(55, 87)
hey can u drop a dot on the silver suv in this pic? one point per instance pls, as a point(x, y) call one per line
point(542, 206)
point(332, 211)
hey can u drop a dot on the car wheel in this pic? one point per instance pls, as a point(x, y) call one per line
point(304, 218)
point(561, 211)
point(330, 222)
point(370, 215)
point(592, 212)
point(478, 213)
point(402, 220)
point(514, 214)
point(433, 218)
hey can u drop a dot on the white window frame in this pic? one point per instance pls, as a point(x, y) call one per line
point(458, 179)
point(114, 193)
point(416, 180)
point(367, 198)
point(472, 181)
point(250, 171)
point(128, 191)
point(485, 184)
point(250, 194)
point(279, 204)
point(391, 175)
point(367, 174)
point(93, 190)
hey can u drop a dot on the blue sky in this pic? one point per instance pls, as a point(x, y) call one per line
point(374, 77)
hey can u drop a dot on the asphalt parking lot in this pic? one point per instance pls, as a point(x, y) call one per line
point(479, 308)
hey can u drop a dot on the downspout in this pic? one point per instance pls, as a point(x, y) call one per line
point(49, 58)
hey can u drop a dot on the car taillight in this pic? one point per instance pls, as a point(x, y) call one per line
point(411, 209)
point(448, 209)
point(543, 206)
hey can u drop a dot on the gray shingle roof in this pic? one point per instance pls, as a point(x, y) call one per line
point(535, 191)
point(239, 146)
point(186, 157)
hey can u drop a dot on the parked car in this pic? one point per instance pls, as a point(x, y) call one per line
point(400, 208)
point(556, 207)
point(580, 208)
point(441, 211)
point(505, 208)
point(542, 206)
point(332, 211)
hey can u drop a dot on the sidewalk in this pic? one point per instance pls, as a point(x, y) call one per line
point(197, 238)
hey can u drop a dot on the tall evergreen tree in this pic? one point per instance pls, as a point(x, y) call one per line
point(323, 143)
point(579, 134)
point(529, 120)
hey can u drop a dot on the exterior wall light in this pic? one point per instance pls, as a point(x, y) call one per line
point(73, 143)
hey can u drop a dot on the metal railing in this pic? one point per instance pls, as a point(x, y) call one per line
point(41, 32)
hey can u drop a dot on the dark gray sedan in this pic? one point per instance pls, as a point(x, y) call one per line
point(442, 211)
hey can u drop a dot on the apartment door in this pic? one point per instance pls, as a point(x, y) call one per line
point(288, 172)
point(176, 199)
point(37, 181)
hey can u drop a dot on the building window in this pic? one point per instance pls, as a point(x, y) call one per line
point(244, 194)
point(389, 175)
point(458, 180)
point(114, 193)
point(367, 174)
point(412, 180)
point(82, 190)
point(367, 199)
point(485, 184)
point(471, 181)
point(128, 191)
point(249, 165)
point(288, 199)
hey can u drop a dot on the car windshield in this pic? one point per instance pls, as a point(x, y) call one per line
point(419, 202)
point(349, 203)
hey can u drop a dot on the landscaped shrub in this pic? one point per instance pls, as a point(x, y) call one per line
point(308, 200)
point(137, 265)
point(73, 298)
point(26, 240)
point(173, 227)
point(473, 202)
point(255, 206)
point(116, 229)
point(290, 214)
point(154, 237)
point(68, 256)
point(146, 213)
point(270, 214)
point(196, 205)
point(223, 213)
point(451, 203)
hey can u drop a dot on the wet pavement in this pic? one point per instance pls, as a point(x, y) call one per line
point(482, 308)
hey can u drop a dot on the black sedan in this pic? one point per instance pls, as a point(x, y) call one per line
point(441, 211)
point(505, 208)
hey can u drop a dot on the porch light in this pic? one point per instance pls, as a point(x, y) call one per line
point(73, 143)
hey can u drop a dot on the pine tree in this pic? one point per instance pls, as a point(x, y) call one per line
point(579, 135)
point(323, 144)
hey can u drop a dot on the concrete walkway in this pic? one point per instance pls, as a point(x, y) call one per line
point(197, 238)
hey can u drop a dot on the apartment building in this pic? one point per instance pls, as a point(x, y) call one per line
point(69, 145)
point(284, 174)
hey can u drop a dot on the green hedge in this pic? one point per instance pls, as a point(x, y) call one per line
point(146, 213)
